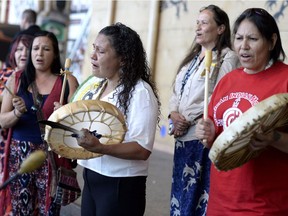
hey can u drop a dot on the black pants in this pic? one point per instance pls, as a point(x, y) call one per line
point(113, 196)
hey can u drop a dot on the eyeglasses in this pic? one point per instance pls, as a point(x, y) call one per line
point(38, 103)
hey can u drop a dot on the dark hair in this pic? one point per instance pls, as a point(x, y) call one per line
point(26, 40)
point(128, 46)
point(267, 26)
point(30, 15)
point(224, 40)
point(28, 75)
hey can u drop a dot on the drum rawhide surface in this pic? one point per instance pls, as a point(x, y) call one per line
point(231, 147)
point(97, 115)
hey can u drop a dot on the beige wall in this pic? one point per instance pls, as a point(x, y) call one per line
point(175, 34)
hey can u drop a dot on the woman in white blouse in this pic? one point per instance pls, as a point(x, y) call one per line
point(115, 183)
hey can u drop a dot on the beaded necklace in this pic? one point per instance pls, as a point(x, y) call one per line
point(192, 67)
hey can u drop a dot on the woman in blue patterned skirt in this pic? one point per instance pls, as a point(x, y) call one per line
point(190, 180)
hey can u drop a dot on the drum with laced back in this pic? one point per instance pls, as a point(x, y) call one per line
point(231, 148)
point(95, 115)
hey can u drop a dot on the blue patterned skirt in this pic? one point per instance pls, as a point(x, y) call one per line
point(190, 180)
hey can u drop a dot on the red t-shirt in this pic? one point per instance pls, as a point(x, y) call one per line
point(259, 187)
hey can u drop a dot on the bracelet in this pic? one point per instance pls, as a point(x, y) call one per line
point(14, 111)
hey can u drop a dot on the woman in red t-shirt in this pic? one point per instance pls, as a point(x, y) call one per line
point(259, 187)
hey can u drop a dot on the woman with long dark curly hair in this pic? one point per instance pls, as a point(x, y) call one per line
point(115, 183)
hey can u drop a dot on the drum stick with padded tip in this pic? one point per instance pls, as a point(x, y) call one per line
point(208, 61)
point(66, 71)
point(31, 163)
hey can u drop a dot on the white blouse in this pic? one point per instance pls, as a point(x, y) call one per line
point(191, 103)
point(141, 121)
